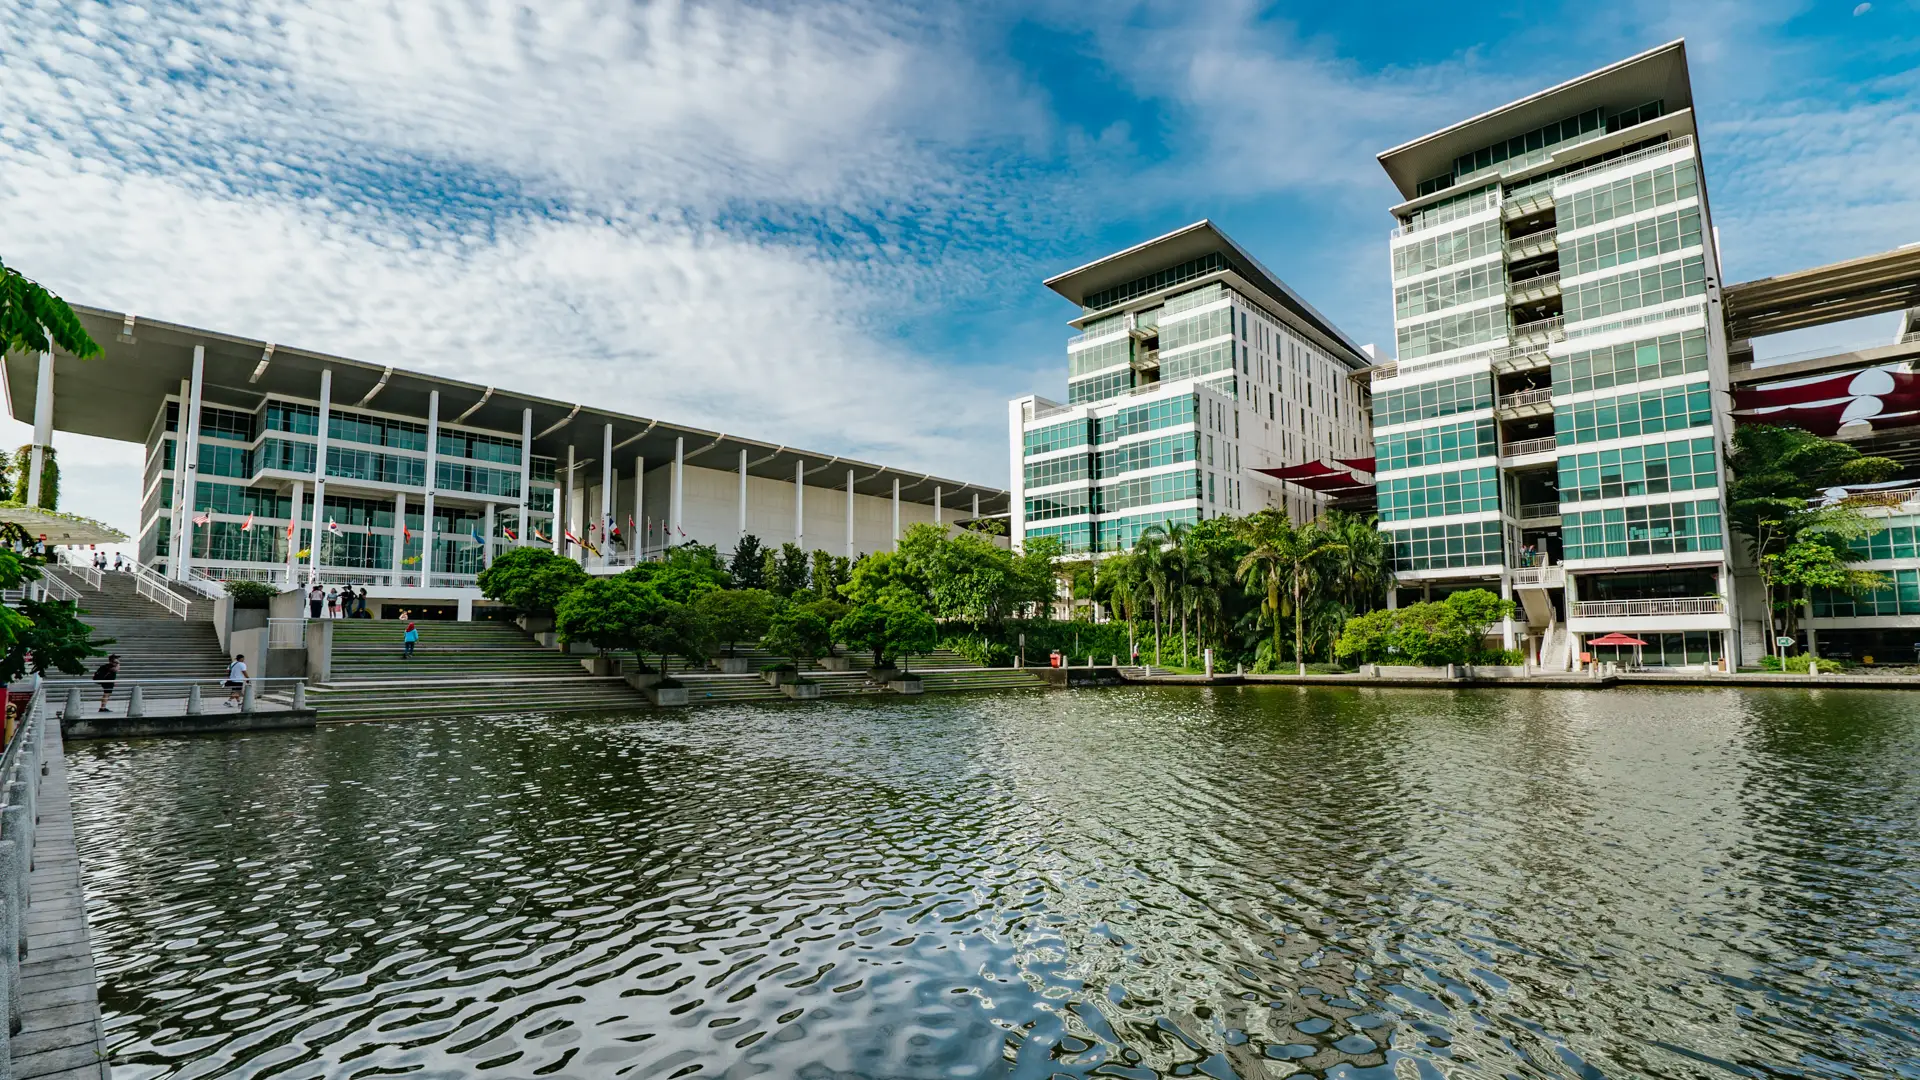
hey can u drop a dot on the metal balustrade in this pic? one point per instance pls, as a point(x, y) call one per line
point(1541, 328)
point(1520, 399)
point(1630, 609)
point(1523, 447)
point(1535, 284)
point(1538, 510)
point(1448, 214)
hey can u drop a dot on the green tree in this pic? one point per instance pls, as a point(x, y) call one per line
point(736, 615)
point(787, 573)
point(1819, 560)
point(865, 627)
point(49, 475)
point(747, 570)
point(910, 632)
point(798, 634)
point(607, 613)
point(1157, 552)
point(33, 320)
point(673, 629)
point(530, 580)
point(681, 577)
point(1779, 474)
point(1283, 557)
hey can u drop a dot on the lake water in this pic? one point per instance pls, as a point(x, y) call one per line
point(1130, 883)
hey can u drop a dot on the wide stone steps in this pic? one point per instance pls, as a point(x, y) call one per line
point(468, 697)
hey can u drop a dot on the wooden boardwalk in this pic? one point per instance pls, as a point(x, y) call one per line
point(62, 1038)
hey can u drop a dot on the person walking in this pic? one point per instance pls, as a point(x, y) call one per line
point(236, 678)
point(316, 601)
point(333, 603)
point(363, 601)
point(108, 674)
point(407, 641)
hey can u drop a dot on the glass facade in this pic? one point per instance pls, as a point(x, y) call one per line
point(1165, 450)
point(1653, 469)
point(1660, 529)
point(286, 456)
point(1635, 361)
point(1037, 441)
point(1146, 490)
point(1112, 352)
point(1186, 271)
point(1452, 332)
point(1632, 242)
point(1449, 290)
point(293, 418)
point(1444, 547)
point(1467, 491)
point(1897, 541)
point(225, 461)
point(376, 431)
point(466, 444)
point(1060, 470)
point(236, 500)
point(1476, 241)
point(1100, 387)
point(1435, 446)
point(350, 464)
point(1167, 412)
point(473, 479)
point(1901, 596)
point(1446, 397)
point(1640, 288)
point(1204, 360)
point(1176, 333)
point(1119, 534)
point(1630, 195)
point(1075, 538)
point(218, 423)
point(1648, 412)
point(1070, 503)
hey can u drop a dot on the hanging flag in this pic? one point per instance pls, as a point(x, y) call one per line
point(406, 534)
point(289, 534)
point(509, 534)
point(248, 526)
point(475, 533)
point(202, 519)
point(613, 527)
point(333, 526)
point(537, 535)
point(567, 537)
point(303, 553)
point(682, 532)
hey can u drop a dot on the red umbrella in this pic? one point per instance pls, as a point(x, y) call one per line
point(1616, 639)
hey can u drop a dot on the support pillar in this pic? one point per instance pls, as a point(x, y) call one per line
point(559, 515)
point(293, 530)
point(606, 493)
point(849, 515)
point(486, 549)
point(800, 505)
point(526, 474)
point(399, 538)
point(938, 497)
point(179, 509)
point(320, 474)
point(976, 506)
point(678, 494)
point(743, 496)
point(1506, 624)
point(433, 466)
point(190, 430)
point(563, 518)
point(43, 420)
point(896, 513)
point(639, 507)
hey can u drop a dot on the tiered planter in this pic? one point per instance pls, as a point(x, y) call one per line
point(801, 691)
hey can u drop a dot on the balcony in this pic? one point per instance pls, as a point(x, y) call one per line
point(1536, 401)
point(1518, 448)
point(1541, 287)
point(1533, 245)
point(1516, 360)
point(1540, 331)
point(1633, 609)
point(1538, 510)
point(1525, 202)
point(1539, 577)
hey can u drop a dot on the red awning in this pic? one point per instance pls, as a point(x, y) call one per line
point(1364, 464)
point(1325, 483)
point(1298, 472)
point(1616, 639)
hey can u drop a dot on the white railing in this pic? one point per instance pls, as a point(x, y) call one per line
point(1524, 247)
point(1523, 447)
point(153, 588)
point(1541, 328)
point(1451, 212)
point(1539, 577)
point(56, 589)
point(1616, 609)
point(1890, 498)
point(286, 633)
point(1538, 510)
point(81, 568)
point(1535, 284)
point(1520, 399)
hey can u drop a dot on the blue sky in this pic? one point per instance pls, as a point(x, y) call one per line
point(826, 223)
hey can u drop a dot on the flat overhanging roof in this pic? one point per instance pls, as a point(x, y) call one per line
point(1191, 242)
point(1855, 288)
point(1659, 73)
point(117, 396)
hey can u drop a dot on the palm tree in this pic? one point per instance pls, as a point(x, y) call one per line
point(34, 320)
point(1284, 556)
point(1157, 549)
point(1359, 567)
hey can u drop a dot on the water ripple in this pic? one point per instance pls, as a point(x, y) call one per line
point(1125, 883)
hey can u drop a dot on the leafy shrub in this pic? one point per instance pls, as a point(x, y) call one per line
point(1498, 657)
point(251, 594)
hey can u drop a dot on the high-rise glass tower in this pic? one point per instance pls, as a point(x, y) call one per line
point(1552, 426)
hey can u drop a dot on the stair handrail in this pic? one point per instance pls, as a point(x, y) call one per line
point(153, 587)
point(204, 583)
point(57, 589)
point(83, 570)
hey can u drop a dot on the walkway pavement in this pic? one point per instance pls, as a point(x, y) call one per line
point(62, 1038)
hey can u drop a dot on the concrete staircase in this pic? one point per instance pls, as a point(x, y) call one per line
point(152, 642)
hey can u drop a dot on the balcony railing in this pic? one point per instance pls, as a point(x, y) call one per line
point(1634, 609)
point(1551, 329)
point(1538, 283)
point(1533, 244)
point(1520, 399)
point(1536, 510)
point(1535, 189)
point(1449, 213)
point(1539, 577)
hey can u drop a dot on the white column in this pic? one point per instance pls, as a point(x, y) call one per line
point(976, 506)
point(190, 428)
point(638, 527)
point(320, 474)
point(559, 514)
point(43, 420)
point(526, 473)
point(399, 536)
point(181, 511)
point(937, 494)
point(896, 513)
point(606, 491)
point(849, 515)
point(743, 493)
point(800, 504)
point(433, 466)
point(293, 518)
point(1506, 624)
point(676, 496)
point(486, 534)
point(563, 518)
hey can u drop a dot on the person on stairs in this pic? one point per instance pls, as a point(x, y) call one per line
point(316, 601)
point(408, 641)
point(109, 673)
point(236, 678)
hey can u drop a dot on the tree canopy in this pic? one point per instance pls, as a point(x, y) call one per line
point(530, 580)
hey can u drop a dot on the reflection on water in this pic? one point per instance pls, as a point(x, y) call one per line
point(1124, 883)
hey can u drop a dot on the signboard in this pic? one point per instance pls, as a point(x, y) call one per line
point(1784, 642)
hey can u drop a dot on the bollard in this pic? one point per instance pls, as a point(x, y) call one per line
point(136, 702)
point(10, 930)
point(300, 694)
point(73, 702)
point(246, 696)
point(1113, 659)
point(194, 707)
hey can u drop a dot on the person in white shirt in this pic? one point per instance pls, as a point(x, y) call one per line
point(236, 678)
